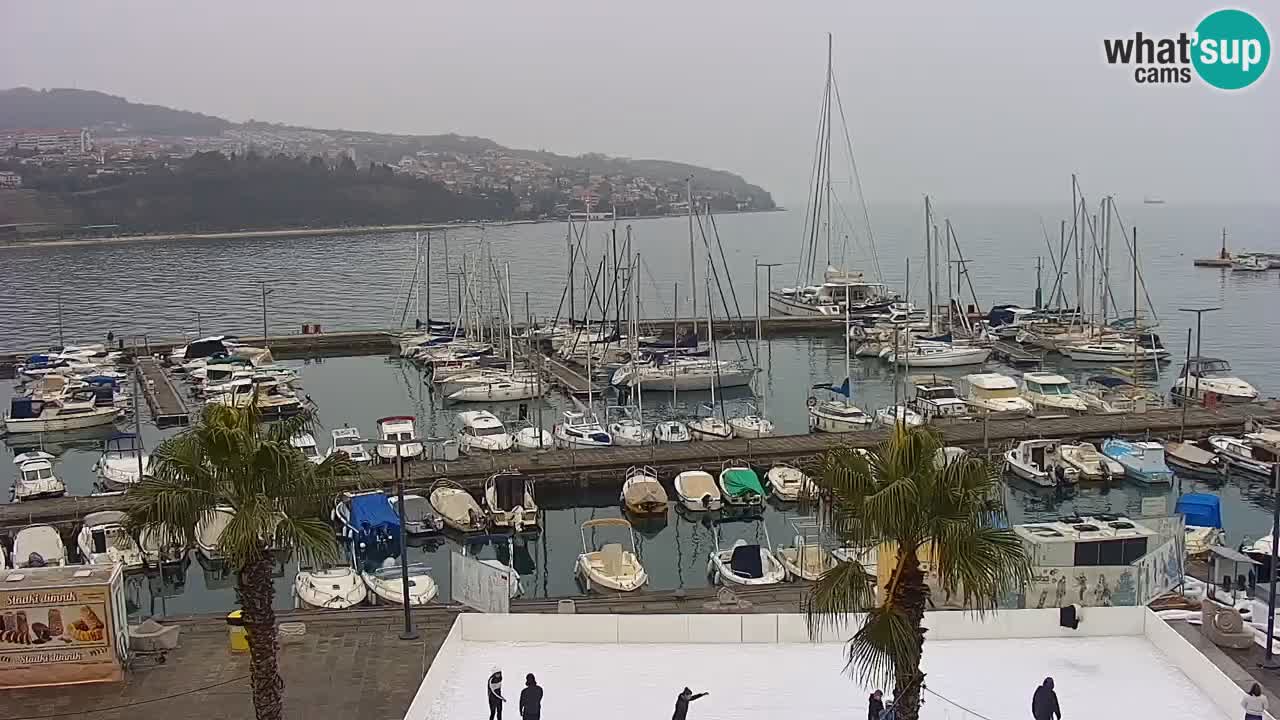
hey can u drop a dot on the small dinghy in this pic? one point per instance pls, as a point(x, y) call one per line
point(38, 546)
point(508, 499)
point(456, 507)
point(610, 566)
point(329, 589)
point(739, 484)
point(788, 483)
point(1088, 462)
point(102, 540)
point(1191, 460)
point(1039, 462)
point(528, 436)
point(36, 478)
point(386, 583)
point(642, 494)
point(805, 560)
point(419, 517)
point(744, 562)
point(697, 491)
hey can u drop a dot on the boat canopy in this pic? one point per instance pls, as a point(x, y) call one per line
point(739, 481)
point(509, 489)
point(1201, 509)
point(1109, 381)
point(22, 408)
point(745, 561)
point(123, 443)
point(373, 509)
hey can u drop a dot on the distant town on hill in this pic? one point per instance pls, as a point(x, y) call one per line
point(84, 162)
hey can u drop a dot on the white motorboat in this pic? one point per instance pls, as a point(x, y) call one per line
point(386, 583)
point(123, 463)
point(347, 440)
point(944, 456)
point(1143, 460)
point(611, 566)
point(36, 478)
point(335, 588)
point(456, 507)
point(745, 563)
point(837, 416)
point(1239, 456)
point(1038, 461)
point(899, 415)
point(38, 546)
point(642, 493)
point(683, 373)
point(934, 354)
point(739, 484)
point(480, 431)
point(1109, 395)
point(79, 411)
point(789, 483)
point(528, 436)
point(580, 430)
point(201, 348)
point(751, 426)
point(994, 393)
point(671, 431)
point(1249, 263)
point(806, 561)
point(697, 491)
point(102, 540)
point(841, 292)
point(209, 531)
point(419, 517)
point(501, 388)
point(937, 399)
point(1112, 351)
point(159, 549)
point(1051, 391)
point(1088, 462)
point(271, 397)
point(398, 428)
point(306, 444)
point(508, 499)
point(1205, 377)
point(628, 429)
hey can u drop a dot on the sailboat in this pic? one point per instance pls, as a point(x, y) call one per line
point(629, 428)
point(836, 415)
point(710, 426)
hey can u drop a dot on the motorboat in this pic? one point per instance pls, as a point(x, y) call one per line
point(642, 493)
point(456, 507)
point(837, 415)
point(473, 545)
point(842, 292)
point(102, 540)
point(1191, 460)
point(508, 499)
point(628, 429)
point(611, 566)
point(419, 517)
point(1240, 457)
point(398, 428)
point(336, 588)
point(804, 560)
point(937, 354)
point(1088, 462)
point(209, 531)
point(1109, 395)
point(347, 440)
point(671, 431)
point(1039, 462)
point(78, 411)
point(739, 484)
point(947, 455)
point(789, 483)
point(1202, 519)
point(697, 491)
point(370, 525)
point(580, 430)
point(480, 431)
point(386, 583)
point(271, 397)
point(306, 444)
point(123, 463)
point(504, 386)
point(528, 436)
point(743, 562)
point(937, 399)
point(1142, 460)
point(1249, 263)
point(1205, 378)
point(899, 415)
point(1051, 391)
point(994, 393)
point(38, 546)
point(160, 548)
point(202, 348)
point(36, 478)
point(751, 425)
point(1113, 351)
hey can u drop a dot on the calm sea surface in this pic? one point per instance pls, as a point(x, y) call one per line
point(158, 288)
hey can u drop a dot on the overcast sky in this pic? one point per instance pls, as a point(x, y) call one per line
point(973, 102)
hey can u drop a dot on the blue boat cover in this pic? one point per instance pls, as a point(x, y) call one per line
point(22, 408)
point(1201, 509)
point(374, 509)
point(1109, 381)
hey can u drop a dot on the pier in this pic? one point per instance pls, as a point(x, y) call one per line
point(1016, 355)
point(569, 378)
point(567, 471)
point(168, 409)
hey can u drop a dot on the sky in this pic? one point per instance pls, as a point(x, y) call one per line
point(985, 102)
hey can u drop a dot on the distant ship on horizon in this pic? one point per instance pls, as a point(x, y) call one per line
point(1152, 201)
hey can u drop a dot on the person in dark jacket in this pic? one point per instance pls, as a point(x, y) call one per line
point(495, 695)
point(685, 697)
point(1044, 703)
point(875, 705)
point(530, 699)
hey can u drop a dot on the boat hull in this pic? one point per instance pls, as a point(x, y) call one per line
point(18, 426)
point(828, 424)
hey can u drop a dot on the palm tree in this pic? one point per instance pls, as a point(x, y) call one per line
point(281, 503)
point(901, 496)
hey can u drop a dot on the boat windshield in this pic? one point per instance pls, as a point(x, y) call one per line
point(1050, 388)
point(310, 451)
point(939, 393)
point(486, 432)
point(393, 572)
point(998, 394)
point(1212, 368)
point(343, 442)
point(43, 473)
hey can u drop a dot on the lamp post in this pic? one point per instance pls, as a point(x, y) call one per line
point(1199, 316)
point(755, 287)
point(409, 633)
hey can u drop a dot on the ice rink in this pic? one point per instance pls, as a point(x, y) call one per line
point(1104, 678)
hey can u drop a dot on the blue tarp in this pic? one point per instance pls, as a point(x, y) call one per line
point(374, 509)
point(1109, 381)
point(1201, 509)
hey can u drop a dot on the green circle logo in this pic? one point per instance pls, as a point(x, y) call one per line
point(1232, 49)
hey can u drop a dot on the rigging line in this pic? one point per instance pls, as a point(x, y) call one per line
point(964, 264)
point(818, 181)
point(123, 706)
point(808, 202)
point(1142, 281)
point(644, 263)
point(857, 181)
point(720, 286)
point(948, 700)
point(1097, 255)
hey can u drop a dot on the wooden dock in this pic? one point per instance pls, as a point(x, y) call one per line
point(570, 474)
point(1016, 355)
point(569, 377)
point(168, 408)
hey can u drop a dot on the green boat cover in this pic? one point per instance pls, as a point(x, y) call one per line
point(740, 481)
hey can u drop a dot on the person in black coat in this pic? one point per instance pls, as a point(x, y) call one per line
point(495, 695)
point(530, 699)
point(875, 705)
point(1044, 703)
point(685, 697)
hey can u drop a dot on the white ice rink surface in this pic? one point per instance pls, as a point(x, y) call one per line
point(1111, 678)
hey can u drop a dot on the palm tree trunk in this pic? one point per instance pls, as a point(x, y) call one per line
point(256, 593)
point(911, 595)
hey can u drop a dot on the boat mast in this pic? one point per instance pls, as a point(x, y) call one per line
point(426, 285)
point(511, 331)
point(675, 337)
point(693, 265)
point(635, 334)
point(715, 354)
point(827, 152)
point(928, 265)
point(848, 373)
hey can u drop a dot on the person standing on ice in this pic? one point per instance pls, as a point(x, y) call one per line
point(875, 706)
point(1254, 704)
point(530, 699)
point(495, 695)
point(1044, 703)
point(685, 697)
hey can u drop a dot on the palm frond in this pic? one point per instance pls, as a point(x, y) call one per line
point(887, 642)
point(839, 594)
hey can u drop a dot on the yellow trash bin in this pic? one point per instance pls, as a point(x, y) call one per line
point(237, 633)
